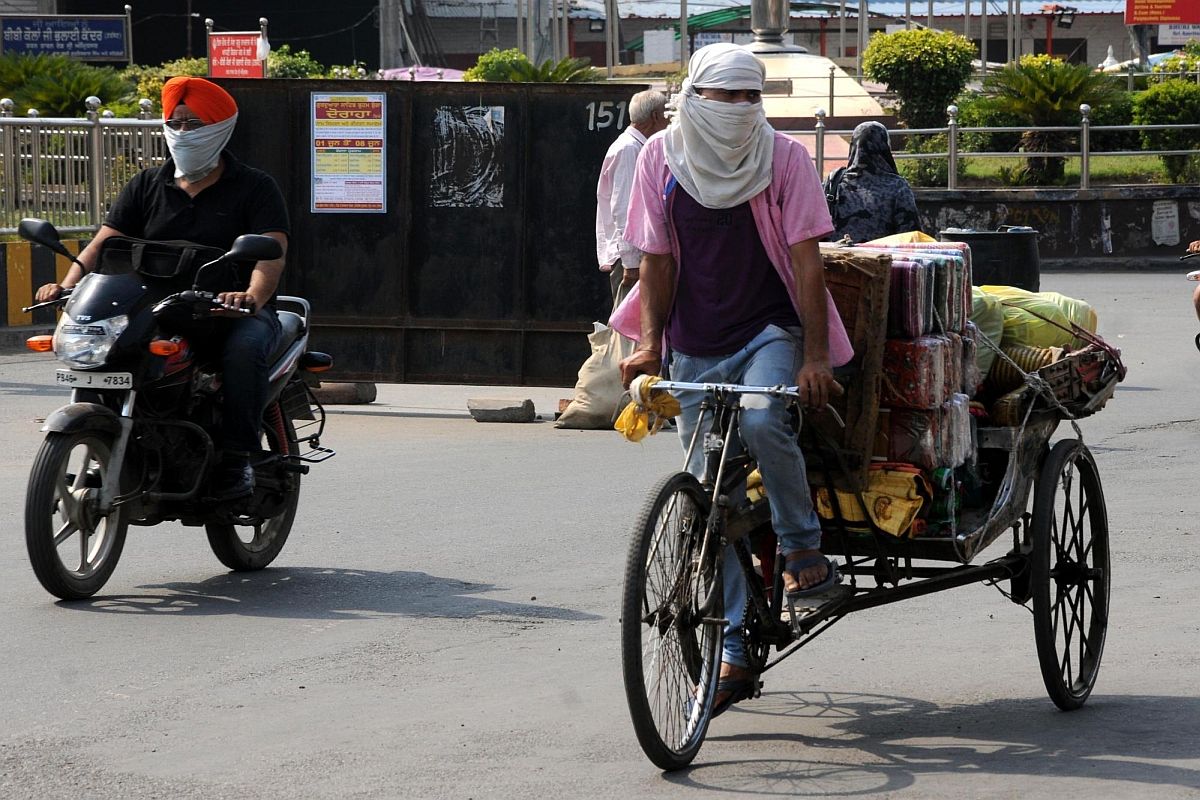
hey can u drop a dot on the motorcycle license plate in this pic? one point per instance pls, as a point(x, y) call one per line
point(93, 380)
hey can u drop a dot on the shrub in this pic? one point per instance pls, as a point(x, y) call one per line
point(283, 63)
point(1118, 111)
point(57, 86)
point(974, 111)
point(149, 80)
point(930, 172)
point(495, 65)
point(1172, 102)
point(512, 66)
point(926, 69)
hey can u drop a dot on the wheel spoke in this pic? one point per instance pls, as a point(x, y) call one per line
point(64, 532)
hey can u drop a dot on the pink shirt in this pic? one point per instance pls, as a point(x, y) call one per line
point(791, 210)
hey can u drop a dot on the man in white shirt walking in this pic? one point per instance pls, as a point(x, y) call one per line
point(615, 255)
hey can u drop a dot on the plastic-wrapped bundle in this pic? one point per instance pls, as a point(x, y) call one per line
point(970, 361)
point(910, 302)
point(914, 372)
point(955, 429)
point(958, 295)
point(953, 369)
point(913, 437)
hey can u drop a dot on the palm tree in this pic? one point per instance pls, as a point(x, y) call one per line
point(1047, 92)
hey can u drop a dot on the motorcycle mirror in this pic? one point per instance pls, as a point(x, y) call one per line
point(39, 231)
point(253, 247)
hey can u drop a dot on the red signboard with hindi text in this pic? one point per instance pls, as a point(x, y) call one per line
point(1161, 12)
point(235, 55)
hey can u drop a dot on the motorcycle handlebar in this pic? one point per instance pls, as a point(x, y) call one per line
point(63, 296)
point(197, 298)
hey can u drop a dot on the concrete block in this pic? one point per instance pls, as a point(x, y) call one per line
point(498, 409)
point(345, 393)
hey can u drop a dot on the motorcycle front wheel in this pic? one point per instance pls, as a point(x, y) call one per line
point(73, 548)
point(244, 548)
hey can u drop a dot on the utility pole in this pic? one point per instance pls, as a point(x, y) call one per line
point(391, 36)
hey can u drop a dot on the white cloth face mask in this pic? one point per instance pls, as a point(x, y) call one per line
point(196, 153)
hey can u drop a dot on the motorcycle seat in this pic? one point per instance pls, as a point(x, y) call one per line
point(293, 328)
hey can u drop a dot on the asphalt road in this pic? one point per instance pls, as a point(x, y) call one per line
point(443, 624)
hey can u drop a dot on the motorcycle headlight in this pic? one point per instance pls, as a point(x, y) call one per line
point(86, 345)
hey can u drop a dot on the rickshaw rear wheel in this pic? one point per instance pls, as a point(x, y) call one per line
point(1069, 573)
point(671, 623)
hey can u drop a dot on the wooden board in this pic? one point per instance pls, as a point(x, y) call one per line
point(858, 280)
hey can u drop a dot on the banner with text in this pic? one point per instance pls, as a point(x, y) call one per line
point(236, 55)
point(349, 167)
point(102, 38)
point(1161, 12)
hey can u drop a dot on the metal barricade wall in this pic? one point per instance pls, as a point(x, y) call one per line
point(482, 269)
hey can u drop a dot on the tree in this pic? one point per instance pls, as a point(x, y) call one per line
point(1044, 91)
point(926, 69)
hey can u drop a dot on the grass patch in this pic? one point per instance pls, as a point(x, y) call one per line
point(990, 173)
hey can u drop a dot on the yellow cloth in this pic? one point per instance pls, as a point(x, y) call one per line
point(908, 237)
point(646, 413)
point(892, 497)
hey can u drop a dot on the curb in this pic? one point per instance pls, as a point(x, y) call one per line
point(1117, 264)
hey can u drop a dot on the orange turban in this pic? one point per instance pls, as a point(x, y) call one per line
point(207, 101)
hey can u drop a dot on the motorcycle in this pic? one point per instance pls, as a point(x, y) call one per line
point(135, 444)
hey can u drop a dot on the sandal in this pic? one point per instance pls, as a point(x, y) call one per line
point(800, 564)
point(739, 689)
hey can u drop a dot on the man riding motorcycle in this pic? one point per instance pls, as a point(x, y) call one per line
point(202, 194)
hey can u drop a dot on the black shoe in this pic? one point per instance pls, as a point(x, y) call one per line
point(233, 479)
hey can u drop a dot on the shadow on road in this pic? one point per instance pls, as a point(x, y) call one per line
point(318, 593)
point(887, 743)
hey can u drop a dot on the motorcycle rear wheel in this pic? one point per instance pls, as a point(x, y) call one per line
point(245, 548)
point(72, 549)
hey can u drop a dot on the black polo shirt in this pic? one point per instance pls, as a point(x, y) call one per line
point(243, 200)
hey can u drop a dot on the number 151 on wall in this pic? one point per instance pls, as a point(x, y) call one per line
point(605, 114)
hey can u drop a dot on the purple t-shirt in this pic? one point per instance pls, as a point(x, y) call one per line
point(728, 289)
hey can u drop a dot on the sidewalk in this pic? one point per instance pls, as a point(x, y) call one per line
point(450, 401)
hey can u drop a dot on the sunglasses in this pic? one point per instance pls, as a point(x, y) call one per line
point(184, 124)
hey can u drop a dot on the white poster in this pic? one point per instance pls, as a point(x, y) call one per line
point(660, 47)
point(1178, 34)
point(1164, 223)
point(349, 168)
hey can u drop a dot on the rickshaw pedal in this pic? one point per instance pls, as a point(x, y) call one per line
point(799, 608)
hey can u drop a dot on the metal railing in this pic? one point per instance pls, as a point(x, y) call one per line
point(70, 170)
point(953, 154)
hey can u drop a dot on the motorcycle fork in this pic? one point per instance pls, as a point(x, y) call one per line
point(111, 487)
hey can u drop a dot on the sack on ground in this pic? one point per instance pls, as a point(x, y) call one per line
point(598, 391)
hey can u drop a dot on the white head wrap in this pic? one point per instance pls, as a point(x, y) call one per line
point(196, 153)
point(720, 152)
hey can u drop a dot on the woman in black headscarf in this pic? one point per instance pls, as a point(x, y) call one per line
point(868, 198)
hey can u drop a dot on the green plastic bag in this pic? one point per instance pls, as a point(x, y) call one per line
point(1021, 327)
point(988, 316)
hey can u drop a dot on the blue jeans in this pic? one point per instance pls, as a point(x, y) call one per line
point(773, 357)
point(248, 344)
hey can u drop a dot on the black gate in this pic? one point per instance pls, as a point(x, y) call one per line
point(483, 268)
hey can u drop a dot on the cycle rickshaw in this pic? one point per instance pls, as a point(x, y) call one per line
point(672, 618)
